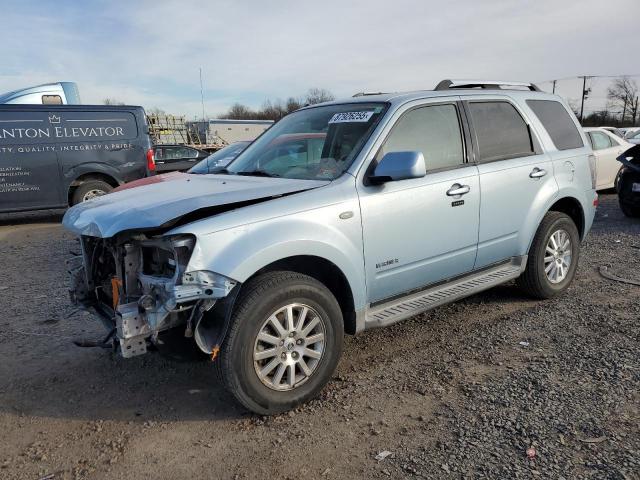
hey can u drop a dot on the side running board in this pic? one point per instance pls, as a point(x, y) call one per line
point(392, 311)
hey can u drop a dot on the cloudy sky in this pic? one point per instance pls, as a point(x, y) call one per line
point(149, 53)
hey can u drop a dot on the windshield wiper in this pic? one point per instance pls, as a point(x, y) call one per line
point(222, 171)
point(257, 173)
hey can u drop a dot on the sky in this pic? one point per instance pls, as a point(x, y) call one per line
point(150, 52)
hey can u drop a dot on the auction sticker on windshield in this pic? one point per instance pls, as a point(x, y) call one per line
point(351, 117)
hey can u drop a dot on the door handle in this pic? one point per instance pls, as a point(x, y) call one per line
point(538, 173)
point(457, 189)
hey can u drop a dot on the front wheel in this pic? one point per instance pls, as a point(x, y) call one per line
point(553, 257)
point(283, 344)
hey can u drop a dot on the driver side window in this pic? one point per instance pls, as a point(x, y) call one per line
point(434, 131)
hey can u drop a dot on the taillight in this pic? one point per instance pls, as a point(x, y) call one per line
point(151, 161)
point(592, 167)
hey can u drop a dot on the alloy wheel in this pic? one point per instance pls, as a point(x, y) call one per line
point(289, 347)
point(557, 260)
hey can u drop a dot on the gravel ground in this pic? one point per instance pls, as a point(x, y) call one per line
point(460, 392)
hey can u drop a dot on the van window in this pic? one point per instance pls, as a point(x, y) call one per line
point(501, 132)
point(434, 131)
point(51, 100)
point(558, 123)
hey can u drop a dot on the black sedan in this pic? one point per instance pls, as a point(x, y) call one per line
point(176, 157)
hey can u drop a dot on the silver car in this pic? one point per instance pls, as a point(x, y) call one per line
point(343, 216)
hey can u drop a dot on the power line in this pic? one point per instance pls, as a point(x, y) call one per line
point(577, 77)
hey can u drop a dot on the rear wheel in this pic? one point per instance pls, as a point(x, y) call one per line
point(553, 257)
point(283, 344)
point(90, 189)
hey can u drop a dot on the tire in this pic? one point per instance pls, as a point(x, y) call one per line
point(89, 189)
point(534, 280)
point(630, 211)
point(261, 299)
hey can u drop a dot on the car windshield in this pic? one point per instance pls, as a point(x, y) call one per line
point(635, 134)
point(219, 159)
point(317, 143)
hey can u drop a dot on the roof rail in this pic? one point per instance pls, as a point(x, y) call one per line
point(485, 84)
point(364, 94)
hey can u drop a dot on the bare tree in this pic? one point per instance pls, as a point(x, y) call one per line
point(624, 93)
point(278, 108)
point(239, 112)
point(293, 104)
point(318, 95)
point(156, 111)
point(634, 111)
point(112, 101)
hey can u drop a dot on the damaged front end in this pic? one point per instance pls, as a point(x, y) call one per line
point(139, 286)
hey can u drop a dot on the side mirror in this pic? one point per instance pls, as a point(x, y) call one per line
point(399, 166)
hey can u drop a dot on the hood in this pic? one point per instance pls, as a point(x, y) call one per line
point(165, 177)
point(163, 204)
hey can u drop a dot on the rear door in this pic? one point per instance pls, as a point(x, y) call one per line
point(29, 172)
point(516, 177)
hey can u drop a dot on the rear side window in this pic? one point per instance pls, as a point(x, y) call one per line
point(558, 123)
point(434, 131)
point(600, 140)
point(501, 132)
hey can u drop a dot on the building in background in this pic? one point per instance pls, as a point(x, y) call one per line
point(225, 132)
point(60, 93)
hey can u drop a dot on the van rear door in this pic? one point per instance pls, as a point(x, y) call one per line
point(29, 171)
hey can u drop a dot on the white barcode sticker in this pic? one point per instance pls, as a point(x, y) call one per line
point(351, 117)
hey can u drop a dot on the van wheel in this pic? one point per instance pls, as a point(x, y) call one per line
point(90, 189)
point(283, 343)
point(553, 257)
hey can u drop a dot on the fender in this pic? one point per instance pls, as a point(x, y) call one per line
point(73, 173)
point(242, 251)
point(566, 192)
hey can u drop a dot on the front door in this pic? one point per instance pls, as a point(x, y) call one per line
point(415, 231)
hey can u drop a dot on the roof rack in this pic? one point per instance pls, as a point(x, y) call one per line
point(485, 84)
point(364, 94)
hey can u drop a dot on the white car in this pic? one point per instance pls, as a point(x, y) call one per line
point(633, 137)
point(628, 131)
point(606, 147)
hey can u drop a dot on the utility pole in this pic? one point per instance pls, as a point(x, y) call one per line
point(554, 86)
point(201, 94)
point(585, 92)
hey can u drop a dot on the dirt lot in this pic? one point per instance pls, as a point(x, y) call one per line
point(451, 394)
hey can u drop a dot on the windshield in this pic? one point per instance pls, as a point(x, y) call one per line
point(221, 158)
point(317, 143)
point(635, 134)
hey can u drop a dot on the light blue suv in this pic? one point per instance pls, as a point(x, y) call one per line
point(341, 217)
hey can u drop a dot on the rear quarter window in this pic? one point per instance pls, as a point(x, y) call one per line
point(558, 123)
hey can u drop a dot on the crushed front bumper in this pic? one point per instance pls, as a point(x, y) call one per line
point(139, 287)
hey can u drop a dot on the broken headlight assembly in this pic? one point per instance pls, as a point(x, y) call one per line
point(139, 286)
point(212, 284)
